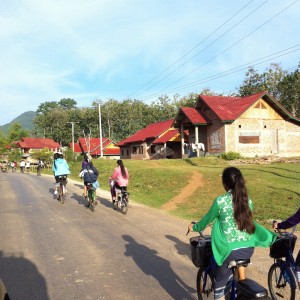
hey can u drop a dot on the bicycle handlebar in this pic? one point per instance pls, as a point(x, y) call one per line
point(283, 232)
point(200, 232)
point(188, 231)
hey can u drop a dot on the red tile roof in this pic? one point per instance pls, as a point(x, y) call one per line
point(169, 135)
point(112, 151)
point(37, 143)
point(95, 146)
point(152, 131)
point(193, 115)
point(76, 147)
point(230, 108)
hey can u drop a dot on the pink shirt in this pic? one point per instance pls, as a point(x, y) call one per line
point(121, 181)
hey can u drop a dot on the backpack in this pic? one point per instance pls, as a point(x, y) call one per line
point(89, 176)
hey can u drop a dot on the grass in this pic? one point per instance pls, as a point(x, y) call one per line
point(274, 188)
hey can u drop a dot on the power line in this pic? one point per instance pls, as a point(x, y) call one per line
point(203, 49)
point(233, 70)
point(232, 45)
point(189, 51)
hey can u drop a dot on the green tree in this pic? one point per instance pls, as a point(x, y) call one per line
point(3, 141)
point(272, 78)
point(45, 107)
point(289, 89)
point(67, 103)
point(16, 132)
point(14, 155)
point(253, 83)
point(45, 155)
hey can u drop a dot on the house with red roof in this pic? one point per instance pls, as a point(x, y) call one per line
point(29, 145)
point(157, 140)
point(254, 125)
point(92, 145)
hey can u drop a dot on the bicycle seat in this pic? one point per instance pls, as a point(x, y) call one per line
point(62, 178)
point(253, 289)
point(239, 262)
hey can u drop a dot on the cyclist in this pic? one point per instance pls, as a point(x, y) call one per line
point(234, 234)
point(22, 165)
point(288, 223)
point(118, 179)
point(60, 167)
point(27, 166)
point(40, 166)
point(89, 173)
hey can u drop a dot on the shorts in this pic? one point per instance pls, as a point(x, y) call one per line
point(224, 274)
point(57, 178)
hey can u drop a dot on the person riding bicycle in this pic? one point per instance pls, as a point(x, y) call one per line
point(22, 166)
point(234, 234)
point(27, 166)
point(288, 223)
point(119, 179)
point(89, 173)
point(40, 166)
point(60, 167)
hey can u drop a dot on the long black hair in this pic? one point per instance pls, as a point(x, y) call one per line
point(233, 180)
point(123, 170)
point(55, 157)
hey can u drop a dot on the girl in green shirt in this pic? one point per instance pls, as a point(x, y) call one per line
point(234, 234)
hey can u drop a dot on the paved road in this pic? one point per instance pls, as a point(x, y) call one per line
point(54, 251)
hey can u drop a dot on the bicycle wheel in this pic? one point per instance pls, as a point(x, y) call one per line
point(281, 283)
point(91, 199)
point(204, 285)
point(124, 207)
point(61, 194)
point(115, 204)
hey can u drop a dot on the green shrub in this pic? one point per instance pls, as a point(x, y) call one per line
point(231, 155)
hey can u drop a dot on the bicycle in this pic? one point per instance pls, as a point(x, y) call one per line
point(202, 258)
point(122, 201)
point(282, 275)
point(62, 188)
point(91, 197)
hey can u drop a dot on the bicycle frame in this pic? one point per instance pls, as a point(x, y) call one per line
point(62, 188)
point(284, 267)
point(246, 288)
point(282, 275)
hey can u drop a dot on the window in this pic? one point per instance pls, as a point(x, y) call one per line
point(152, 149)
point(134, 150)
point(141, 150)
point(127, 152)
point(249, 139)
point(122, 152)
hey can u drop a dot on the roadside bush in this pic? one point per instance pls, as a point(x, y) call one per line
point(231, 155)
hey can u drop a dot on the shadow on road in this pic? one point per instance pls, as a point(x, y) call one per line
point(157, 267)
point(21, 278)
point(181, 247)
point(105, 202)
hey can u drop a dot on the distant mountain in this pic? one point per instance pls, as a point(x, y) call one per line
point(25, 120)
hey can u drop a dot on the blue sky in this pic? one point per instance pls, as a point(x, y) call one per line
point(100, 49)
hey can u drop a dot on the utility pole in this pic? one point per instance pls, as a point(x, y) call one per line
point(73, 123)
point(100, 131)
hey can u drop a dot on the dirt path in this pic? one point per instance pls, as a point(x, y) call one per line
point(195, 182)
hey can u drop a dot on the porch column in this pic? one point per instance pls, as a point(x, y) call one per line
point(182, 139)
point(197, 140)
point(165, 146)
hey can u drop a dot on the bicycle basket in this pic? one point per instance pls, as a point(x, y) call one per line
point(282, 245)
point(201, 251)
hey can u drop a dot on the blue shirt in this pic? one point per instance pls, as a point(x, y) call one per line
point(60, 167)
